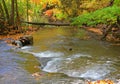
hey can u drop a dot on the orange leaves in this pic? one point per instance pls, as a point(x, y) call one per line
point(36, 1)
point(44, 6)
point(94, 30)
point(49, 13)
point(101, 82)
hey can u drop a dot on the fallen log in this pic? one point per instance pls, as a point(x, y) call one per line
point(54, 24)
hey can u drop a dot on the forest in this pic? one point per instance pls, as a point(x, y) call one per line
point(59, 41)
point(102, 14)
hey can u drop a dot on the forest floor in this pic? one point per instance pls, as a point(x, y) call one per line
point(17, 35)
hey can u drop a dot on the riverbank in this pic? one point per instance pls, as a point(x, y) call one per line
point(98, 33)
point(16, 36)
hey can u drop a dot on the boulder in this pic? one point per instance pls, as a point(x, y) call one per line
point(23, 41)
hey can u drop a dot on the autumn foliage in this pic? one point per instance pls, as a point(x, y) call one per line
point(36, 1)
point(102, 82)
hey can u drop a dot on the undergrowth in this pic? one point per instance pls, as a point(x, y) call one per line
point(106, 15)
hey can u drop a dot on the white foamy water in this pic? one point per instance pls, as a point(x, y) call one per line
point(26, 47)
point(91, 72)
point(77, 56)
point(56, 63)
point(73, 73)
point(48, 54)
point(53, 65)
point(59, 61)
point(77, 82)
point(96, 72)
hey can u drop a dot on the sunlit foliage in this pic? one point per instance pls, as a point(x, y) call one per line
point(103, 16)
point(117, 2)
point(62, 9)
point(76, 7)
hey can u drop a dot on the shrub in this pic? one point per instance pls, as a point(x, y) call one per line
point(106, 15)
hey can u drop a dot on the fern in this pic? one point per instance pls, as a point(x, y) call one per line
point(103, 16)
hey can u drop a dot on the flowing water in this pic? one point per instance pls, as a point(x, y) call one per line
point(68, 56)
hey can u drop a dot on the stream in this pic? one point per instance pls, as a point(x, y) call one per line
point(62, 55)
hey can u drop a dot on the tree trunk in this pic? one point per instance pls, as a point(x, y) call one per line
point(17, 14)
point(6, 10)
point(17, 17)
point(2, 12)
point(12, 13)
point(27, 10)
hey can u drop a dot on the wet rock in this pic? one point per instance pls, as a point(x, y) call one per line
point(23, 41)
point(70, 49)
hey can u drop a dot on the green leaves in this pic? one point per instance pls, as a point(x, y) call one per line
point(103, 16)
point(117, 2)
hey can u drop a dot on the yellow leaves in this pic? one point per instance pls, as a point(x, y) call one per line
point(36, 1)
point(101, 82)
point(30, 12)
point(91, 4)
point(57, 2)
point(94, 4)
point(57, 11)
